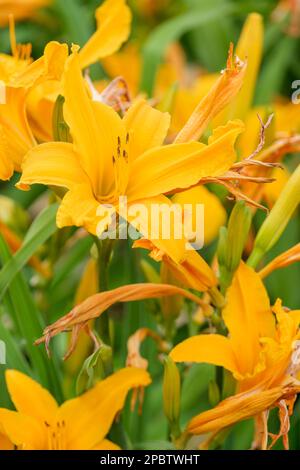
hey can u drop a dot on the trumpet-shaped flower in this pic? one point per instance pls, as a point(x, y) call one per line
point(112, 157)
point(19, 75)
point(31, 88)
point(78, 424)
point(261, 351)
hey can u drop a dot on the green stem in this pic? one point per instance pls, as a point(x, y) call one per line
point(104, 248)
point(255, 257)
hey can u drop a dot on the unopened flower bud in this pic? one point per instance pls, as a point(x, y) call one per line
point(171, 396)
point(276, 222)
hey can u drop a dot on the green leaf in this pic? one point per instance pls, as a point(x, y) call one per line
point(30, 324)
point(275, 69)
point(42, 228)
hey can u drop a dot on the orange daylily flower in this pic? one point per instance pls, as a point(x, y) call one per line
point(263, 360)
point(78, 424)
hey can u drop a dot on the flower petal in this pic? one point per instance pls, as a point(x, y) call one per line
point(25, 432)
point(94, 306)
point(220, 94)
point(212, 349)
point(48, 67)
point(6, 165)
point(15, 135)
point(248, 309)
point(95, 128)
point(249, 49)
point(106, 445)
point(29, 397)
point(54, 163)
point(147, 127)
point(95, 410)
point(183, 165)
point(234, 409)
point(214, 213)
point(113, 19)
point(5, 443)
point(79, 208)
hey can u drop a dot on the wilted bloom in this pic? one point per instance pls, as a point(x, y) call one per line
point(282, 261)
point(94, 306)
point(78, 424)
point(261, 351)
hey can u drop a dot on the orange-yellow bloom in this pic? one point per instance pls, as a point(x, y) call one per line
point(261, 351)
point(19, 76)
point(134, 162)
point(32, 87)
point(78, 424)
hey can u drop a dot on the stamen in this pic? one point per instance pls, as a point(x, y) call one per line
point(12, 36)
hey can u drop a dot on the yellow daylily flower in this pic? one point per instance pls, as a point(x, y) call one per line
point(113, 28)
point(81, 423)
point(127, 147)
point(32, 87)
point(19, 76)
point(263, 360)
point(21, 9)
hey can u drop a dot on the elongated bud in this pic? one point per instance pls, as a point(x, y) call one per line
point(276, 222)
point(238, 230)
point(222, 246)
point(232, 242)
point(214, 394)
point(171, 396)
point(168, 100)
point(96, 367)
point(149, 272)
point(170, 306)
point(61, 130)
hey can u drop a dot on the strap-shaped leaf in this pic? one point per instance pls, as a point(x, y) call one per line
point(42, 228)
